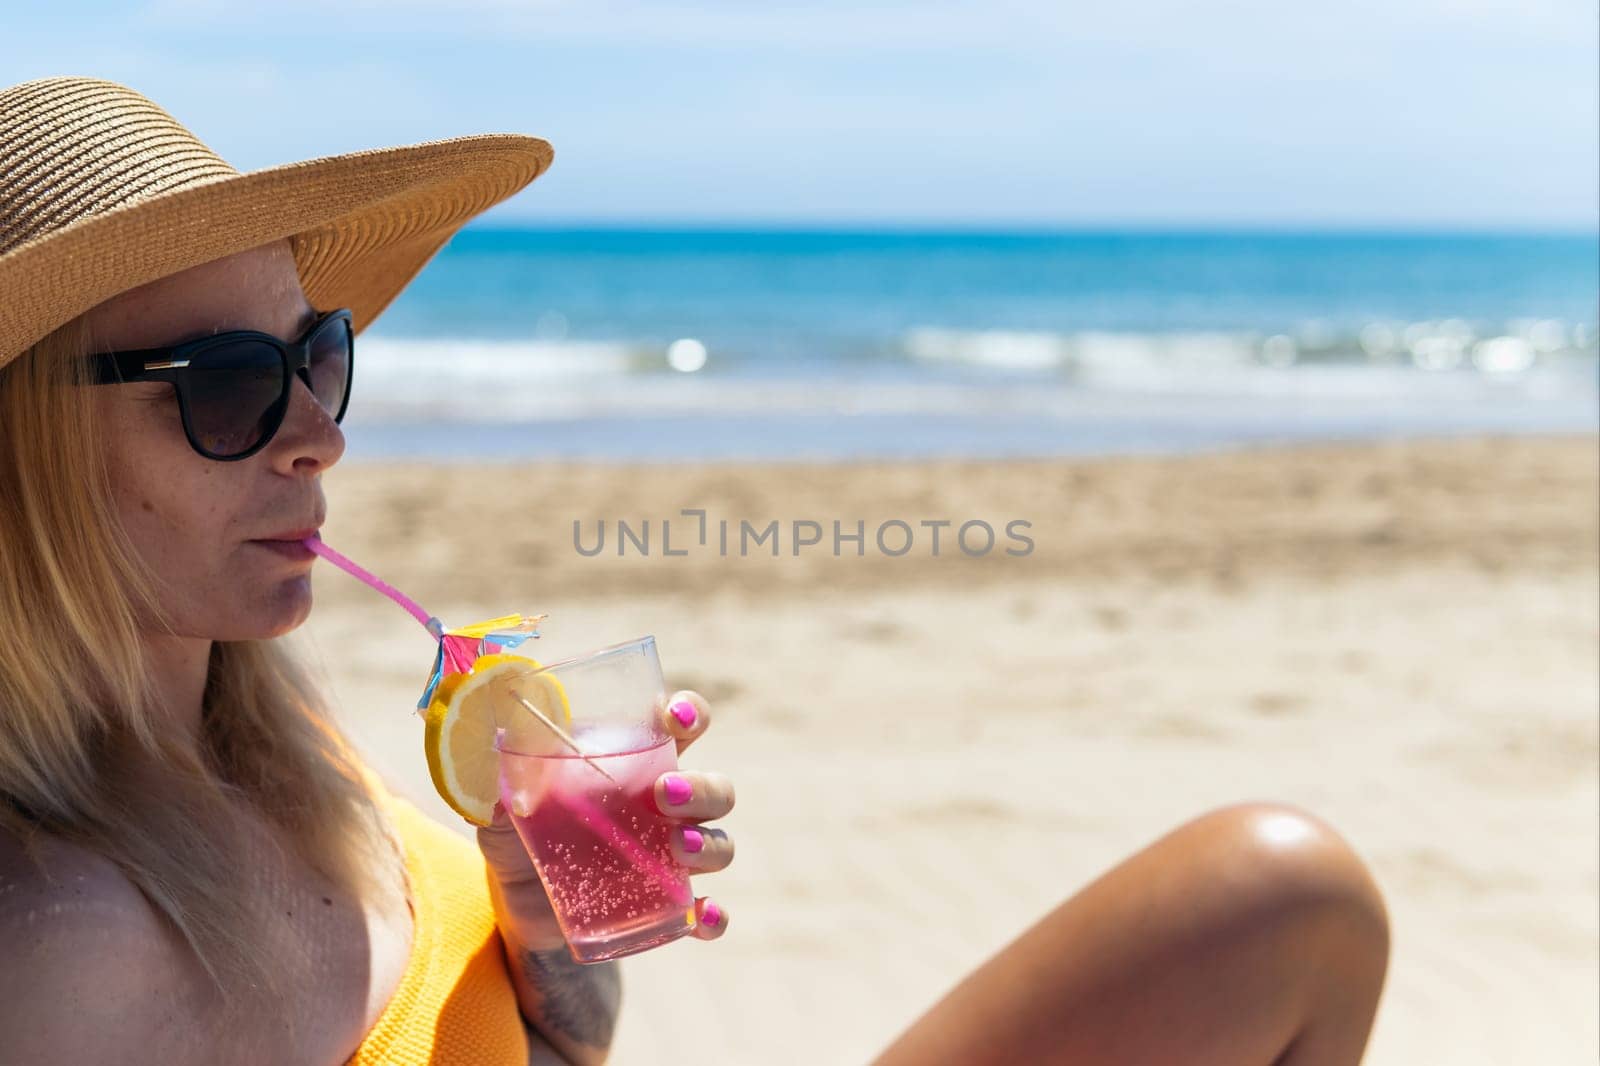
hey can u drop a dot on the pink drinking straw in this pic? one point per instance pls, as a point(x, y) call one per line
point(429, 622)
point(432, 625)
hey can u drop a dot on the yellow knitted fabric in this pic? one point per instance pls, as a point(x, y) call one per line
point(455, 1003)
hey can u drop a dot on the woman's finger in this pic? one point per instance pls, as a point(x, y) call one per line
point(700, 848)
point(711, 921)
point(694, 796)
point(503, 850)
point(686, 716)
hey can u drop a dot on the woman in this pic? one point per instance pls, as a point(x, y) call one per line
point(194, 867)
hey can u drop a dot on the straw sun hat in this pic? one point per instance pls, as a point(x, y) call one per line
point(102, 191)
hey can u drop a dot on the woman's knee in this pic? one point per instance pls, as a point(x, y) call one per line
point(1278, 861)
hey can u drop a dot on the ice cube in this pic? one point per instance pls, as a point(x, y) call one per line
point(606, 738)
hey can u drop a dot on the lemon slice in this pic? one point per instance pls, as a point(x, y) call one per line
point(466, 712)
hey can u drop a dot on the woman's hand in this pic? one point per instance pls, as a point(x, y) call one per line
point(689, 797)
point(695, 798)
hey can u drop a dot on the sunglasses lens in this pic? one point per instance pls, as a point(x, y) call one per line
point(234, 392)
point(330, 365)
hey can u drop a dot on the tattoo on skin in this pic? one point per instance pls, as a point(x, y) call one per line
point(578, 1001)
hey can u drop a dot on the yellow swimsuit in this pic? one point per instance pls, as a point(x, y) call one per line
point(455, 1003)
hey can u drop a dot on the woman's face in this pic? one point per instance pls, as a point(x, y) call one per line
point(195, 521)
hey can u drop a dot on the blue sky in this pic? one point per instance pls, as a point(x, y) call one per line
point(1426, 113)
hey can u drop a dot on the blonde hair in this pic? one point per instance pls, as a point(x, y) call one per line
point(83, 755)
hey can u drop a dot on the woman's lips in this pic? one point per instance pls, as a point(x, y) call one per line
point(289, 549)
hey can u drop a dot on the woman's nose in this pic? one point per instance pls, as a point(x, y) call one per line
point(309, 439)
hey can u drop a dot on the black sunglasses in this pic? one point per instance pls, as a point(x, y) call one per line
point(234, 388)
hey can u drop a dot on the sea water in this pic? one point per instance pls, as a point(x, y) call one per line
point(774, 344)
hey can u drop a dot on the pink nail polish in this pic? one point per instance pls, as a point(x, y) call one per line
point(711, 914)
point(684, 712)
point(692, 840)
point(678, 789)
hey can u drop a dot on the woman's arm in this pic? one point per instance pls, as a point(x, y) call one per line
point(540, 1050)
point(574, 1007)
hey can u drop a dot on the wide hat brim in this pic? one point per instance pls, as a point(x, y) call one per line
point(361, 226)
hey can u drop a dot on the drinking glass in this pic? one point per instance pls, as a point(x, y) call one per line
point(588, 816)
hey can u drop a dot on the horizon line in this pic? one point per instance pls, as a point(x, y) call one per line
point(1033, 228)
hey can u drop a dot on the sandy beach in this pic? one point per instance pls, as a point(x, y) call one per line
point(932, 751)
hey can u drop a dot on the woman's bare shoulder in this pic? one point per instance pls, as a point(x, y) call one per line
point(51, 877)
point(93, 972)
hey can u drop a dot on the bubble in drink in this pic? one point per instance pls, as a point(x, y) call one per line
point(601, 846)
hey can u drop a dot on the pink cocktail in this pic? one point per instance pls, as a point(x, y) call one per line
point(601, 846)
point(581, 745)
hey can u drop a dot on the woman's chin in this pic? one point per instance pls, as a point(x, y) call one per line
point(285, 608)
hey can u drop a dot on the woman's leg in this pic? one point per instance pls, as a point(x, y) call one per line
point(1251, 935)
